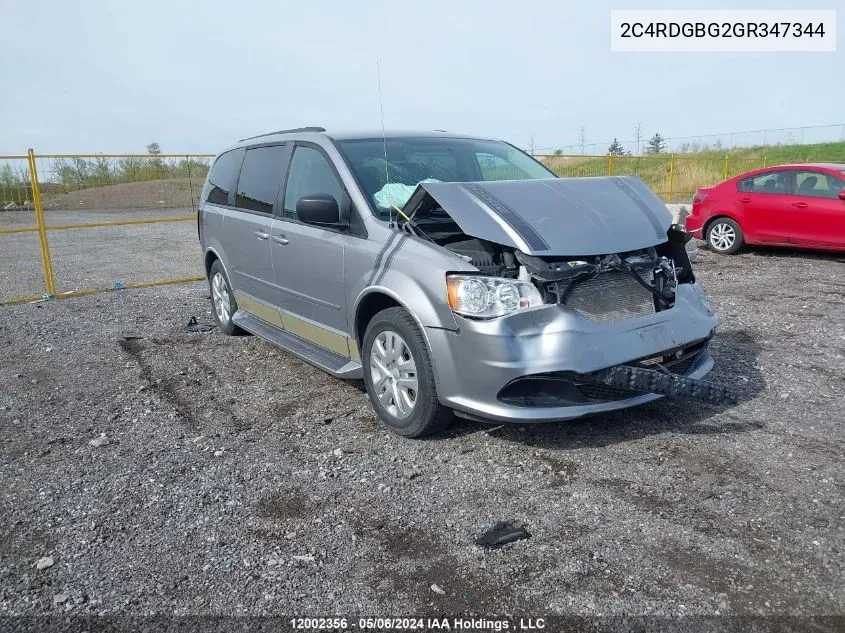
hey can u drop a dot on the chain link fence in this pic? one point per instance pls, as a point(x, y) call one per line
point(96, 222)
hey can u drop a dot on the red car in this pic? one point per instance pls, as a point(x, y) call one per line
point(788, 205)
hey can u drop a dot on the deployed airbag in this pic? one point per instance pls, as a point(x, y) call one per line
point(396, 194)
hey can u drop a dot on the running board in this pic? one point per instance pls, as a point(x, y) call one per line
point(326, 360)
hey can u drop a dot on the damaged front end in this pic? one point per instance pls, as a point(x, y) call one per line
point(549, 234)
point(604, 248)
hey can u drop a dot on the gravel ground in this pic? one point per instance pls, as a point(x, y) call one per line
point(97, 258)
point(233, 478)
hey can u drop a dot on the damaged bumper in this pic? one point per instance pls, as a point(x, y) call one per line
point(542, 364)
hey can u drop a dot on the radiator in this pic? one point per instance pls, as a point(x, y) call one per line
point(609, 297)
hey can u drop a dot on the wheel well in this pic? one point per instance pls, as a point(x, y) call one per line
point(707, 224)
point(370, 306)
point(210, 258)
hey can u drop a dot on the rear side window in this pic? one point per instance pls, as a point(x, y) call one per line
point(258, 186)
point(770, 182)
point(815, 184)
point(221, 178)
point(310, 173)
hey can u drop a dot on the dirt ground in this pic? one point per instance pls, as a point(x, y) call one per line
point(235, 479)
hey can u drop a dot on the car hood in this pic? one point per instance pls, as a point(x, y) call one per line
point(560, 216)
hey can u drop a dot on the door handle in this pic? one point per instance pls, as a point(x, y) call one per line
point(280, 239)
point(745, 199)
point(800, 205)
point(262, 235)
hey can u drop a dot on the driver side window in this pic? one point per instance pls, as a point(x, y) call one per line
point(310, 173)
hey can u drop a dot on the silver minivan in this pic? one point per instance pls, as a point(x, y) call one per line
point(455, 275)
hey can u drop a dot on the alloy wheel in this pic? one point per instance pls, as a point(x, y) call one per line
point(722, 236)
point(220, 298)
point(394, 374)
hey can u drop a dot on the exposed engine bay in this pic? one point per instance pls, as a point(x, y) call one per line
point(633, 278)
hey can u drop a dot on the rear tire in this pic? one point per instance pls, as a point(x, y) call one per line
point(223, 303)
point(399, 377)
point(724, 236)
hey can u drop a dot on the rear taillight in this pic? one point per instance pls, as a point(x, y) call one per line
point(699, 198)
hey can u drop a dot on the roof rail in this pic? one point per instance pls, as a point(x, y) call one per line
point(296, 129)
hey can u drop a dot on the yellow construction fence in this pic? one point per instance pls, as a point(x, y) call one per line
point(673, 178)
point(80, 223)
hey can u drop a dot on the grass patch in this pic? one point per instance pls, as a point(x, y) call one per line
point(693, 171)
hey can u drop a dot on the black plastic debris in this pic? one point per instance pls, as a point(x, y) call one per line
point(642, 380)
point(195, 326)
point(501, 533)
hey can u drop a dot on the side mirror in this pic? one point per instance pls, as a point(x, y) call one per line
point(842, 195)
point(320, 209)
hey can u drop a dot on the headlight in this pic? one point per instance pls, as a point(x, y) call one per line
point(488, 297)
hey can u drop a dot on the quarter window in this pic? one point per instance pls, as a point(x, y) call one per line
point(258, 186)
point(815, 184)
point(221, 178)
point(776, 182)
point(310, 173)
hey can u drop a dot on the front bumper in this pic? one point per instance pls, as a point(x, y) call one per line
point(476, 363)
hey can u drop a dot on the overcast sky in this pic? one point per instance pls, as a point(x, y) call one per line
point(195, 76)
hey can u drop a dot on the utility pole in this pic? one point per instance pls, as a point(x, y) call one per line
point(639, 132)
point(582, 137)
point(532, 145)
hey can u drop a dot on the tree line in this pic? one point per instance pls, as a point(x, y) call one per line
point(77, 172)
point(99, 171)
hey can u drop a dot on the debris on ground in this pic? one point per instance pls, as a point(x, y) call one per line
point(195, 326)
point(502, 533)
point(438, 590)
point(330, 419)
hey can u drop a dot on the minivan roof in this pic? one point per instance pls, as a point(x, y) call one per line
point(351, 135)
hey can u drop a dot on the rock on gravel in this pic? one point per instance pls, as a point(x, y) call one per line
point(44, 563)
point(100, 440)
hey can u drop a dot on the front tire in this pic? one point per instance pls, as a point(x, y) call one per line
point(223, 301)
point(724, 236)
point(399, 377)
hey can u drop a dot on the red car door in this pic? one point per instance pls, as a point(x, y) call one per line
point(762, 206)
point(817, 213)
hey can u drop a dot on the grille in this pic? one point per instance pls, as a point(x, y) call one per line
point(684, 365)
point(610, 296)
point(602, 392)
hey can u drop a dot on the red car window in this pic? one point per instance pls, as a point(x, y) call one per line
point(771, 182)
point(816, 184)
